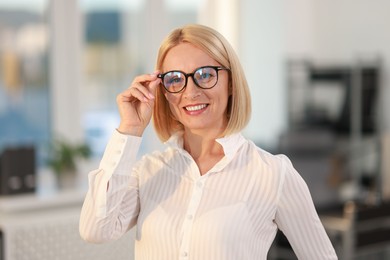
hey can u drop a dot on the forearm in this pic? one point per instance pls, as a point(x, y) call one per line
point(111, 204)
point(107, 214)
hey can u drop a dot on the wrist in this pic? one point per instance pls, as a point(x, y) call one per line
point(130, 130)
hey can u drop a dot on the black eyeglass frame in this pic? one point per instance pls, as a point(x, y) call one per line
point(187, 75)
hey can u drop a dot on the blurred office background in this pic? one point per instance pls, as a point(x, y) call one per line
point(319, 78)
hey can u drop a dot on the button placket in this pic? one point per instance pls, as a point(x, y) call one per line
point(190, 217)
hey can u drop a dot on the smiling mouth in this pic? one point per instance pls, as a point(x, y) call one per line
point(195, 108)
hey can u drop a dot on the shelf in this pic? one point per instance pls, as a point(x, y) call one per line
point(32, 202)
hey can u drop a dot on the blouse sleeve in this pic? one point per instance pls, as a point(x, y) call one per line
point(111, 204)
point(297, 218)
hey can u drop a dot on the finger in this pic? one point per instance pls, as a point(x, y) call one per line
point(145, 90)
point(143, 82)
point(132, 94)
point(146, 77)
point(140, 93)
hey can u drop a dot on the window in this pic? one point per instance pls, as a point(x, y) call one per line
point(24, 90)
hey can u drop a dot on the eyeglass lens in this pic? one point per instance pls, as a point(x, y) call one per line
point(205, 77)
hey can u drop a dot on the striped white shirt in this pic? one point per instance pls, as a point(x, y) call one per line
point(231, 212)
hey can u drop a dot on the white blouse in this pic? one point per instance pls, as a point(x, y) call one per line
point(231, 212)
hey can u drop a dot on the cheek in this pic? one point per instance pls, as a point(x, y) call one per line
point(173, 101)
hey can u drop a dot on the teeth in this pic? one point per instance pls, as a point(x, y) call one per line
point(195, 108)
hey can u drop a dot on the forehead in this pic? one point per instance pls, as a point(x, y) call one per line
point(186, 57)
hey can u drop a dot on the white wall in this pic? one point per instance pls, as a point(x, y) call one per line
point(65, 69)
point(261, 52)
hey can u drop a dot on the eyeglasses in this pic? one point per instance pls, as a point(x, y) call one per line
point(204, 77)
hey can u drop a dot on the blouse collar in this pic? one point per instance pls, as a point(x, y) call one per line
point(230, 144)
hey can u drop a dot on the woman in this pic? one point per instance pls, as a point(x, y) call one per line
point(211, 194)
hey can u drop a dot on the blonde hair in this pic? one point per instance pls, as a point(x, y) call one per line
point(217, 47)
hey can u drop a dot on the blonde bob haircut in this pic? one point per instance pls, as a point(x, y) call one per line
point(218, 48)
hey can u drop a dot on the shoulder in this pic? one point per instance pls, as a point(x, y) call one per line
point(281, 170)
point(278, 162)
point(277, 166)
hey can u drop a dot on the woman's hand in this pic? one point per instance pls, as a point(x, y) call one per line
point(136, 104)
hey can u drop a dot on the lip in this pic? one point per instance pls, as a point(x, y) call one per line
point(195, 109)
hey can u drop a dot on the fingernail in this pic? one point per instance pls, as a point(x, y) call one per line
point(151, 95)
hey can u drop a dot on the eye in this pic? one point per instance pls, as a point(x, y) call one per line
point(173, 78)
point(205, 74)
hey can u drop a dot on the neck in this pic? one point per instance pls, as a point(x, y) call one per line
point(202, 145)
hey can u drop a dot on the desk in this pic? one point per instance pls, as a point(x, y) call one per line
point(46, 227)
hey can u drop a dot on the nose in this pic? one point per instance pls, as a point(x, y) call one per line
point(191, 91)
